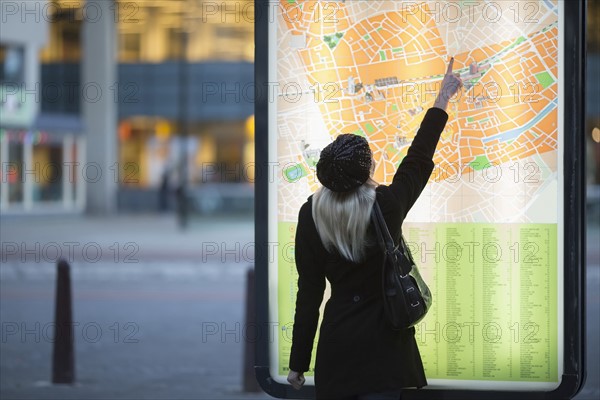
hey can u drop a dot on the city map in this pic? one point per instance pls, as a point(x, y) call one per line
point(373, 68)
point(487, 224)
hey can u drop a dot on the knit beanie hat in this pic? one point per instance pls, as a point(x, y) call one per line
point(345, 164)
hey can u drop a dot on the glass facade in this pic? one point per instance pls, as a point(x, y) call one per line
point(150, 32)
point(154, 32)
point(40, 146)
point(151, 151)
point(40, 171)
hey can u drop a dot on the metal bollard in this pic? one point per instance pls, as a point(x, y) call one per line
point(63, 355)
point(250, 383)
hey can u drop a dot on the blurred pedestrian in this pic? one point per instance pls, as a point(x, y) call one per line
point(358, 355)
point(164, 190)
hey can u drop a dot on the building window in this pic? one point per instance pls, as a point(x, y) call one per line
point(130, 47)
point(231, 42)
point(41, 170)
point(225, 32)
point(593, 31)
point(151, 147)
point(64, 32)
point(12, 64)
point(48, 176)
point(71, 41)
point(175, 50)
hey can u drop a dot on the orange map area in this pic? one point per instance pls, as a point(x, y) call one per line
point(376, 72)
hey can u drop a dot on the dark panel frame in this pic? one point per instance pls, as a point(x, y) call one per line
point(574, 216)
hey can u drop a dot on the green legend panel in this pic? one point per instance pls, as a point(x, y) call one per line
point(495, 300)
point(494, 313)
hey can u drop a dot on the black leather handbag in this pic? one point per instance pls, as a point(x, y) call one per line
point(406, 297)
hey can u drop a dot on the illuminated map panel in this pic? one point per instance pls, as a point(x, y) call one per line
point(486, 230)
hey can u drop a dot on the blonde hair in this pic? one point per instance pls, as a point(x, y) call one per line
point(342, 219)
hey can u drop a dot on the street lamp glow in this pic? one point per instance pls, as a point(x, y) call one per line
point(596, 134)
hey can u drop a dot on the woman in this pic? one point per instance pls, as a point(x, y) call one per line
point(358, 355)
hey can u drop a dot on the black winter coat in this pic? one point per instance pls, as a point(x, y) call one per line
point(357, 352)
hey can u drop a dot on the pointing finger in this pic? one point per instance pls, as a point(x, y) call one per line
point(450, 66)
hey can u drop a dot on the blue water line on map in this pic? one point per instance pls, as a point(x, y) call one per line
point(551, 6)
point(514, 133)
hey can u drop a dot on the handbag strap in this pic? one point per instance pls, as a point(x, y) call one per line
point(383, 234)
point(385, 239)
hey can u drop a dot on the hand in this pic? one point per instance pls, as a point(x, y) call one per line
point(451, 84)
point(296, 379)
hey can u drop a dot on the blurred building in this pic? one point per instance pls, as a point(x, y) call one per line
point(183, 90)
point(34, 147)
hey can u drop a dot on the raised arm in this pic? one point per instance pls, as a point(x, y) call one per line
point(414, 171)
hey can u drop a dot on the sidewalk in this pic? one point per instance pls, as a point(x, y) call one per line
point(139, 339)
point(127, 238)
point(145, 288)
point(169, 289)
